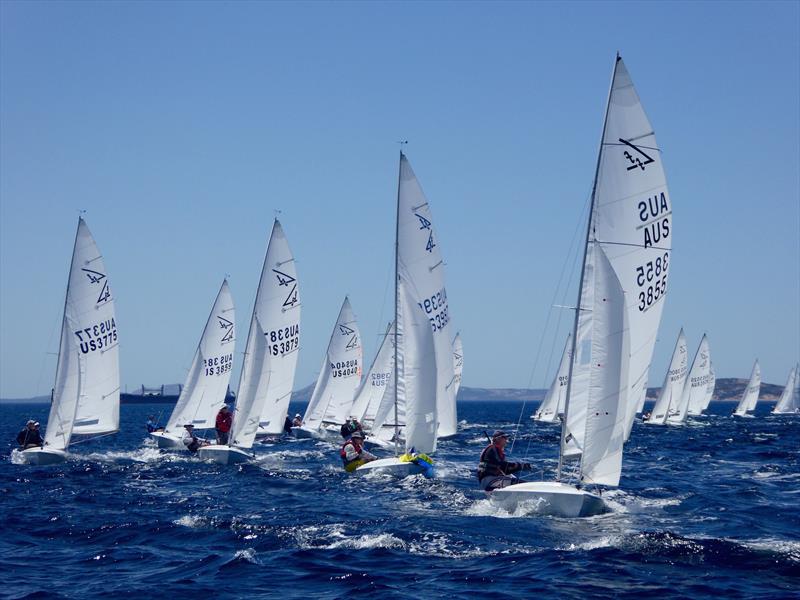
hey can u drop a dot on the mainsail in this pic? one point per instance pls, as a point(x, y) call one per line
point(89, 313)
point(203, 393)
point(670, 395)
point(750, 395)
point(790, 398)
point(626, 264)
point(273, 342)
point(695, 392)
point(553, 404)
point(340, 374)
point(420, 272)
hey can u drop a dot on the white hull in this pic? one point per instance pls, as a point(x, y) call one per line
point(392, 466)
point(224, 455)
point(373, 442)
point(551, 498)
point(167, 441)
point(43, 456)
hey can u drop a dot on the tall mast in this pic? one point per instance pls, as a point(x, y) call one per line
point(562, 445)
point(396, 298)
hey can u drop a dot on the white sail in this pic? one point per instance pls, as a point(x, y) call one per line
point(369, 395)
point(203, 393)
point(695, 391)
point(421, 270)
point(671, 392)
point(553, 404)
point(712, 384)
point(629, 236)
point(750, 394)
point(273, 342)
point(790, 398)
point(458, 364)
point(340, 374)
point(90, 311)
point(65, 391)
point(419, 374)
point(393, 402)
point(279, 313)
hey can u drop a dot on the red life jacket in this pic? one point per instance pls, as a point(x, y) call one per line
point(356, 446)
point(224, 421)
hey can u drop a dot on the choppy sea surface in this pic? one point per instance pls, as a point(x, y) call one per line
point(708, 509)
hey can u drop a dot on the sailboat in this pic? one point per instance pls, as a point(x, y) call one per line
point(789, 402)
point(620, 300)
point(270, 356)
point(423, 362)
point(339, 377)
point(747, 403)
point(552, 407)
point(203, 393)
point(85, 396)
point(671, 392)
point(696, 390)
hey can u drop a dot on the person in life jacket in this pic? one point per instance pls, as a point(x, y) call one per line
point(350, 426)
point(353, 453)
point(223, 424)
point(30, 436)
point(297, 421)
point(190, 440)
point(494, 471)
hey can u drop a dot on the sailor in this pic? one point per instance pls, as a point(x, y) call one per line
point(350, 426)
point(494, 471)
point(297, 421)
point(152, 424)
point(30, 436)
point(223, 424)
point(287, 425)
point(353, 453)
point(190, 440)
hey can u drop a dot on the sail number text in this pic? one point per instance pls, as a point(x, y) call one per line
point(285, 340)
point(98, 336)
point(652, 281)
point(345, 368)
point(219, 365)
point(437, 310)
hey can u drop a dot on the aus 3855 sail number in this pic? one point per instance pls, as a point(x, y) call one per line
point(652, 281)
point(219, 365)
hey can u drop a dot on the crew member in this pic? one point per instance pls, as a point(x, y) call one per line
point(353, 453)
point(223, 424)
point(350, 426)
point(494, 471)
point(297, 421)
point(287, 425)
point(152, 424)
point(190, 440)
point(30, 437)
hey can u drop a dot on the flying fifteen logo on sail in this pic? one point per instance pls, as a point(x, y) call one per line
point(97, 277)
point(636, 159)
point(426, 224)
point(227, 326)
point(285, 281)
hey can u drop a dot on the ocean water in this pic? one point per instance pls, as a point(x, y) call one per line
point(709, 509)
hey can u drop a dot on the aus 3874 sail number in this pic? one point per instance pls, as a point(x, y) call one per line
point(219, 365)
point(652, 281)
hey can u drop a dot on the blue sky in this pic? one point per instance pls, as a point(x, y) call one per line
point(182, 127)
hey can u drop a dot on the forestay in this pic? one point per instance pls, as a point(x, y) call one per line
point(340, 374)
point(750, 394)
point(695, 392)
point(629, 244)
point(273, 342)
point(90, 314)
point(420, 269)
point(203, 393)
point(671, 392)
point(369, 395)
point(790, 398)
point(553, 404)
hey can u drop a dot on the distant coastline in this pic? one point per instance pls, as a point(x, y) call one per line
point(727, 390)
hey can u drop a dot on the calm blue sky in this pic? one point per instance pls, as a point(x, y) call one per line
point(182, 127)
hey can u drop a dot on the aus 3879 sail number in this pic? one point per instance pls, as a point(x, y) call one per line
point(652, 281)
point(219, 365)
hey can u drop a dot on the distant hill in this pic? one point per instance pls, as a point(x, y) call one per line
point(728, 390)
